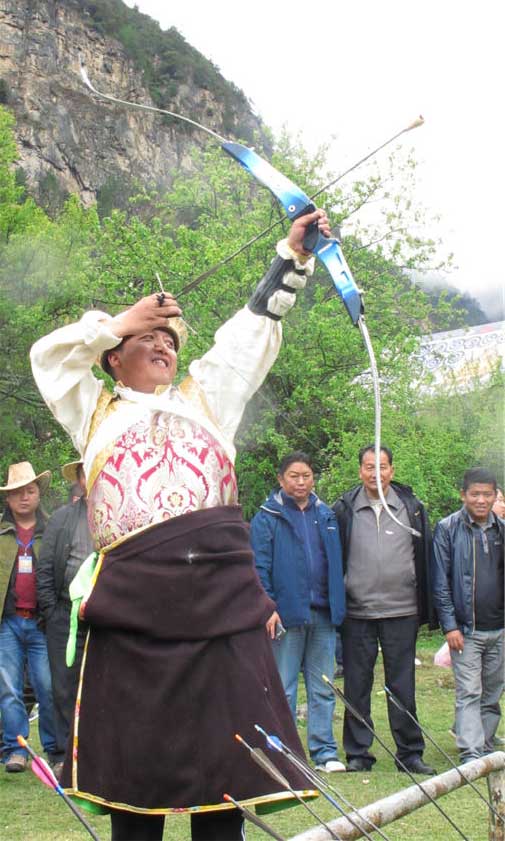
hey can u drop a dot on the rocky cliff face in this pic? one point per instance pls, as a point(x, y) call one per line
point(66, 133)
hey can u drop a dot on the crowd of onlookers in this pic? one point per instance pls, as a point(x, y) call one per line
point(376, 575)
point(347, 580)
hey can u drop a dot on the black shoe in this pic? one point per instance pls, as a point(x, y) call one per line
point(357, 764)
point(418, 766)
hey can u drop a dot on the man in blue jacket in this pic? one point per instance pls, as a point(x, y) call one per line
point(468, 589)
point(298, 557)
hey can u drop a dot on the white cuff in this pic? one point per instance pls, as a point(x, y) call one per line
point(301, 261)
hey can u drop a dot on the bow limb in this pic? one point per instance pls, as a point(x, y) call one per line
point(296, 203)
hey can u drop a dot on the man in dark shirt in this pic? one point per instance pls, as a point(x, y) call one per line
point(21, 640)
point(468, 589)
point(65, 545)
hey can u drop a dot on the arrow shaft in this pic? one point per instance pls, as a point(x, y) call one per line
point(53, 783)
point(392, 698)
point(277, 776)
point(398, 761)
point(254, 818)
point(320, 783)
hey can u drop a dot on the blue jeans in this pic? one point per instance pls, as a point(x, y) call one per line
point(21, 641)
point(311, 648)
point(479, 675)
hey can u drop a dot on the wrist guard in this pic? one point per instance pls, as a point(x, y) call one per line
point(275, 294)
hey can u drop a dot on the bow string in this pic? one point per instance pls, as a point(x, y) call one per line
point(296, 204)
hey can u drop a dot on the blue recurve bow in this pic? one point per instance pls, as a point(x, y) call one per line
point(328, 250)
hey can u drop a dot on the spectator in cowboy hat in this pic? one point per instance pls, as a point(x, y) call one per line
point(65, 545)
point(21, 639)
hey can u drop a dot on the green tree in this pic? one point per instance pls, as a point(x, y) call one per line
point(318, 396)
point(16, 211)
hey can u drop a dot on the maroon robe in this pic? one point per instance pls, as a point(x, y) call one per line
point(178, 660)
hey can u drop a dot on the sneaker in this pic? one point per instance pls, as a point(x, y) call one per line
point(339, 671)
point(16, 762)
point(331, 766)
point(34, 713)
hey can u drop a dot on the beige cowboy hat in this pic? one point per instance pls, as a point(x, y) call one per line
point(22, 474)
point(69, 471)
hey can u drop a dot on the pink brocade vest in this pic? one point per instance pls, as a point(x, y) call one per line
point(161, 467)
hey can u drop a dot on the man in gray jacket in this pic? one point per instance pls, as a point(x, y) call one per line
point(65, 545)
point(468, 589)
point(386, 575)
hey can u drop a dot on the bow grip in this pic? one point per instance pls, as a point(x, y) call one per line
point(312, 232)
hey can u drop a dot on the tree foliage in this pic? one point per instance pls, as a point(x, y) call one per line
point(318, 396)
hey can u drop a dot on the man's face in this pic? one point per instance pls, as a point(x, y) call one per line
point(367, 473)
point(297, 482)
point(499, 505)
point(24, 501)
point(478, 500)
point(146, 361)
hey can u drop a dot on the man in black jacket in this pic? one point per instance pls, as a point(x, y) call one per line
point(468, 588)
point(387, 589)
point(65, 545)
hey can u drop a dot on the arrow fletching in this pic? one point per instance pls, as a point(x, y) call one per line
point(39, 766)
point(42, 770)
point(263, 761)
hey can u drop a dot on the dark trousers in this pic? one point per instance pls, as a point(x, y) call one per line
point(206, 826)
point(64, 680)
point(338, 648)
point(397, 637)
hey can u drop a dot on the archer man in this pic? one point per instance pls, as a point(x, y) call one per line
point(177, 659)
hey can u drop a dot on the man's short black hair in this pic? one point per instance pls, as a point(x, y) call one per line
point(478, 476)
point(371, 448)
point(104, 360)
point(291, 458)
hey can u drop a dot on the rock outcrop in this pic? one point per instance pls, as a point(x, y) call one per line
point(66, 134)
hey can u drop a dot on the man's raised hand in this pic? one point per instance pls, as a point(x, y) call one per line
point(150, 313)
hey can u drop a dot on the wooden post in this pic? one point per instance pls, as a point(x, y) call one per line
point(407, 800)
point(496, 788)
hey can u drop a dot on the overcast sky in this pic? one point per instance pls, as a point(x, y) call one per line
point(358, 72)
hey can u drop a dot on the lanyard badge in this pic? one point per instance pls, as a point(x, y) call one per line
point(25, 560)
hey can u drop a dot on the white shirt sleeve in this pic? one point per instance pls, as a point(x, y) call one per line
point(61, 365)
point(245, 349)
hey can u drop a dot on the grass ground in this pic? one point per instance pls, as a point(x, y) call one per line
point(31, 812)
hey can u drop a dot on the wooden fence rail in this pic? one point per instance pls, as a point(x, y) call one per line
point(403, 802)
